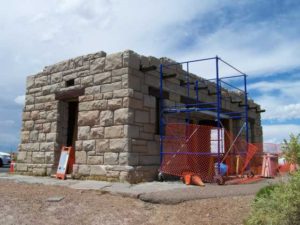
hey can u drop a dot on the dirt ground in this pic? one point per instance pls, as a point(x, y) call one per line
point(27, 204)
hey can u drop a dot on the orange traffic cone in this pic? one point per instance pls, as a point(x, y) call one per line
point(11, 168)
point(187, 178)
point(197, 180)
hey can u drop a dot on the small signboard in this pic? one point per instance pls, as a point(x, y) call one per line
point(63, 163)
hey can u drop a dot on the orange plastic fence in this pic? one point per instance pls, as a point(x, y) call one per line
point(191, 148)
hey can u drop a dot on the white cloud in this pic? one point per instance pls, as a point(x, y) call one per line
point(280, 98)
point(20, 100)
point(276, 133)
point(38, 33)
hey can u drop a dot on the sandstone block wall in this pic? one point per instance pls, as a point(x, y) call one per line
point(117, 135)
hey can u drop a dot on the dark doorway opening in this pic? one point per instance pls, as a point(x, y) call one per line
point(67, 129)
point(72, 123)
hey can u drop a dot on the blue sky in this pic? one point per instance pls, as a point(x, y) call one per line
point(259, 37)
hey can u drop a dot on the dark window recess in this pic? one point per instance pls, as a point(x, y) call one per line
point(156, 93)
point(70, 83)
point(182, 83)
point(187, 100)
point(211, 123)
point(214, 123)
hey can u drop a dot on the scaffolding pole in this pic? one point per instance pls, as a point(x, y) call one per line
point(215, 108)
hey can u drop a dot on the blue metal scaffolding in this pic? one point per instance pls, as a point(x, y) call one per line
point(215, 108)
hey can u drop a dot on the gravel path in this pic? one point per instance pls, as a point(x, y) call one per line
point(29, 204)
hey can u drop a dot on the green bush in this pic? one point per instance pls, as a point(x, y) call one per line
point(277, 205)
point(291, 149)
point(265, 192)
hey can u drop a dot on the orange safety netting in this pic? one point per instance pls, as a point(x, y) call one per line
point(191, 148)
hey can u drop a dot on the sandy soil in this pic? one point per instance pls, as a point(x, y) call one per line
point(27, 204)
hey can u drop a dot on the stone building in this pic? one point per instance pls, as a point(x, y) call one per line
point(106, 106)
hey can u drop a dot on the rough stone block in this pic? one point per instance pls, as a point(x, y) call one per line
point(21, 167)
point(84, 170)
point(135, 83)
point(123, 116)
point(30, 82)
point(149, 160)
point(98, 170)
point(89, 145)
point(80, 157)
point(56, 77)
point(78, 146)
point(92, 90)
point(153, 147)
point(86, 98)
point(95, 160)
point(131, 59)
point(35, 115)
point(102, 145)
point(102, 78)
point(141, 116)
point(87, 81)
point(45, 98)
point(42, 137)
point(114, 61)
point(29, 99)
point(106, 118)
point(25, 136)
point(88, 118)
point(54, 127)
point(97, 133)
point(46, 90)
point(46, 127)
point(132, 131)
point(51, 137)
point(108, 95)
point(51, 116)
point(114, 132)
point(118, 145)
point(39, 171)
point(84, 132)
point(125, 81)
point(97, 64)
point(34, 136)
point(49, 157)
point(30, 147)
point(98, 96)
point(47, 147)
point(26, 116)
point(149, 101)
point(93, 105)
point(22, 156)
point(111, 158)
point(136, 103)
point(41, 81)
point(126, 158)
point(38, 157)
point(150, 128)
point(111, 87)
point(122, 93)
point(114, 103)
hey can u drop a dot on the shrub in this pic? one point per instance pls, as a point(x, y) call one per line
point(265, 192)
point(291, 149)
point(277, 205)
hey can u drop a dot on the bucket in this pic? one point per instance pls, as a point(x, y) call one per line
point(223, 169)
